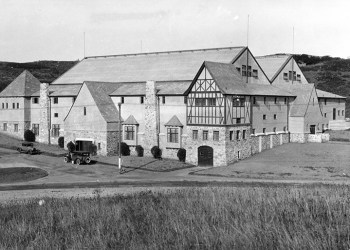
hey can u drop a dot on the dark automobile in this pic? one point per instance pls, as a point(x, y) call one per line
point(78, 157)
point(28, 149)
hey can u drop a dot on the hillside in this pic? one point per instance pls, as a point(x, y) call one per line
point(329, 74)
point(45, 71)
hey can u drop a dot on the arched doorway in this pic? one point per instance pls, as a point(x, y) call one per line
point(205, 156)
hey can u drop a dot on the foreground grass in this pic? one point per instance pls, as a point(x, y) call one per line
point(193, 218)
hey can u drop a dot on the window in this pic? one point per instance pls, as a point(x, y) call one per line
point(342, 112)
point(55, 130)
point(264, 130)
point(244, 134)
point(298, 77)
point(35, 100)
point(264, 117)
point(205, 135)
point(255, 73)
point(129, 133)
point(238, 102)
point(122, 99)
point(285, 100)
point(4, 127)
point(253, 131)
point(216, 136)
point(3, 105)
point(275, 100)
point(238, 120)
point(141, 100)
point(238, 69)
point(325, 114)
point(7, 105)
point(35, 129)
point(238, 154)
point(84, 110)
point(274, 116)
point(211, 101)
point(254, 100)
point(231, 135)
point(185, 99)
point(17, 105)
point(195, 134)
point(13, 105)
point(338, 112)
point(274, 130)
point(55, 115)
point(55, 100)
point(264, 100)
point(294, 75)
point(249, 71)
point(163, 99)
point(285, 76)
point(173, 135)
point(99, 145)
point(325, 101)
point(16, 127)
point(238, 134)
point(244, 70)
point(200, 102)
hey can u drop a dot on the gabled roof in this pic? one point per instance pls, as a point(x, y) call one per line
point(158, 66)
point(272, 65)
point(325, 94)
point(130, 121)
point(23, 86)
point(100, 93)
point(174, 122)
point(303, 94)
point(230, 82)
point(164, 88)
point(61, 90)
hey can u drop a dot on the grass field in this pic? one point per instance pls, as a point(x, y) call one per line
point(192, 218)
point(19, 174)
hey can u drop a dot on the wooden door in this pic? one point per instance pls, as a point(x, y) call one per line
point(205, 156)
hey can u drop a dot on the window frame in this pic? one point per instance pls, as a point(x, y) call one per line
point(15, 127)
point(173, 135)
point(205, 135)
point(129, 132)
point(4, 126)
point(55, 100)
point(55, 130)
point(216, 135)
point(35, 100)
point(36, 128)
point(194, 134)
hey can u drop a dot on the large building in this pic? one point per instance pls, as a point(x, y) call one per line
point(221, 104)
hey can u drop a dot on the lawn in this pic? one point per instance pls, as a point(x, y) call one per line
point(309, 161)
point(190, 218)
point(19, 174)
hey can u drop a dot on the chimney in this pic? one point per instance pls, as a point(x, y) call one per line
point(44, 126)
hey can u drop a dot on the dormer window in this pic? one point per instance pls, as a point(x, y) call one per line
point(255, 73)
point(285, 76)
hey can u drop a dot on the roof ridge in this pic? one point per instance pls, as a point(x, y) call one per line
point(273, 56)
point(164, 52)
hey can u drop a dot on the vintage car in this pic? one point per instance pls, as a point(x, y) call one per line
point(78, 157)
point(28, 149)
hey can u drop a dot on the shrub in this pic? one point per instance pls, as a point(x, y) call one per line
point(93, 149)
point(181, 154)
point(29, 136)
point(139, 150)
point(61, 142)
point(156, 152)
point(125, 149)
point(71, 146)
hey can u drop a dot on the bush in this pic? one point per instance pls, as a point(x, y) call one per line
point(125, 149)
point(61, 142)
point(139, 150)
point(71, 146)
point(93, 149)
point(181, 154)
point(156, 152)
point(29, 136)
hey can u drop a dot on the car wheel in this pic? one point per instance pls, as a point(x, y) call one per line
point(78, 161)
point(87, 160)
point(66, 159)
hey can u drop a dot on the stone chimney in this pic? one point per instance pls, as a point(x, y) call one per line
point(44, 125)
point(151, 137)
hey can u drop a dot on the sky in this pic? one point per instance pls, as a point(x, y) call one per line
point(32, 30)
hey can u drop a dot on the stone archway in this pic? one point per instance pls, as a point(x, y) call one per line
point(205, 156)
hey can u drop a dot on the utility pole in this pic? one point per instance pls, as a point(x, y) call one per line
point(120, 138)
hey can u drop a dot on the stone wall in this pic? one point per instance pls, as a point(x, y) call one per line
point(261, 142)
point(112, 143)
point(254, 144)
point(237, 149)
point(318, 138)
point(298, 137)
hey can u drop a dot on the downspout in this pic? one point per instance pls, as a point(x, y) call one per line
point(158, 119)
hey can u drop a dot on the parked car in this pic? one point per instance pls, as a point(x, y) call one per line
point(78, 157)
point(27, 148)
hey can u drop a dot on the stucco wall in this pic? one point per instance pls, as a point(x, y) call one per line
point(327, 109)
point(288, 67)
point(12, 116)
point(313, 114)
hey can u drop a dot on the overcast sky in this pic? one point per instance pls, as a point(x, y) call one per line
point(33, 30)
